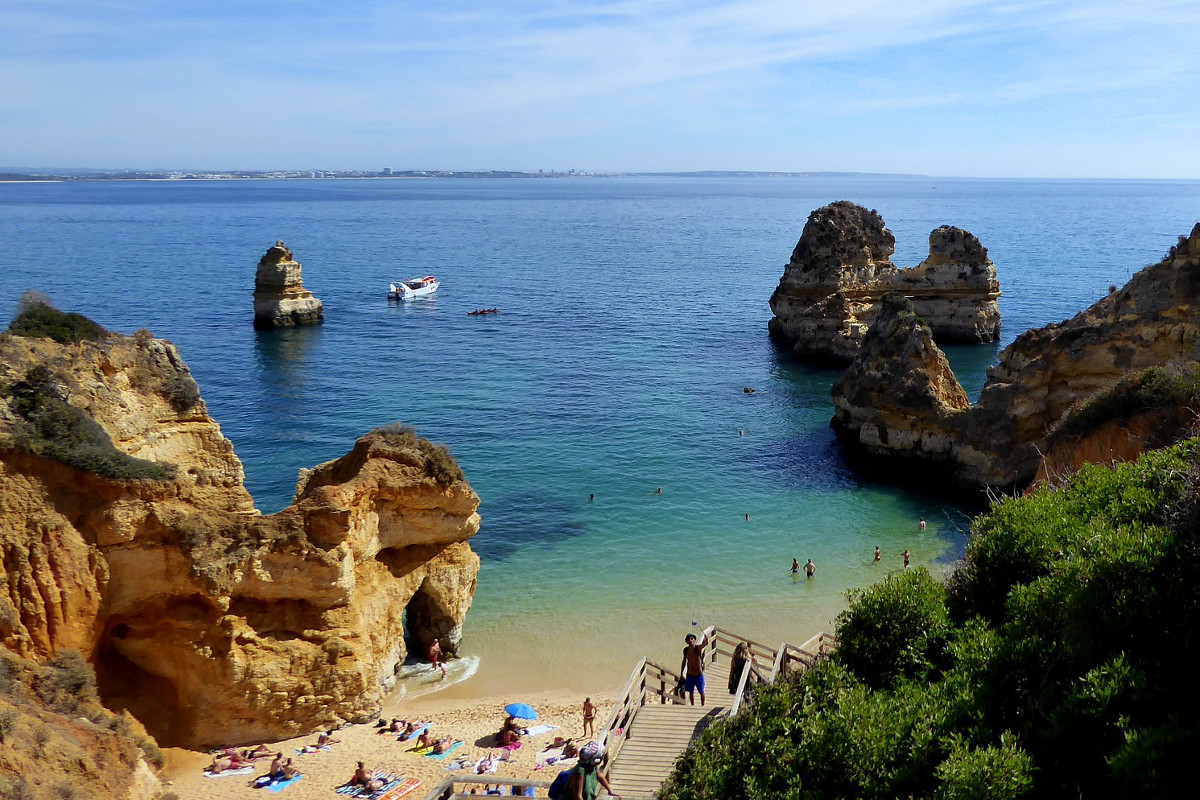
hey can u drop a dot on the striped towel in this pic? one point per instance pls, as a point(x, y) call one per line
point(246, 770)
point(405, 787)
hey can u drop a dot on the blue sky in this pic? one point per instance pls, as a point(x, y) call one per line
point(940, 87)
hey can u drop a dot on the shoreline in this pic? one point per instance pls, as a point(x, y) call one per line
point(471, 720)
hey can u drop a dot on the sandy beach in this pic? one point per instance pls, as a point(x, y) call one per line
point(473, 721)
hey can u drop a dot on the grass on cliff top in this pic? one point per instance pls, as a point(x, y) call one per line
point(37, 318)
point(1059, 661)
point(53, 428)
point(1150, 390)
point(439, 463)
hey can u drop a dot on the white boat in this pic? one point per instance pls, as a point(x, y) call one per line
point(414, 287)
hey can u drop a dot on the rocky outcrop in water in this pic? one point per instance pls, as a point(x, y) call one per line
point(841, 268)
point(1044, 374)
point(212, 623)
point(280, 299)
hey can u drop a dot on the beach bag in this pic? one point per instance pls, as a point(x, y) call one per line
point(560, 784)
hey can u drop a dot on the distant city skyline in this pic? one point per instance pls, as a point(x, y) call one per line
point(1036, 88)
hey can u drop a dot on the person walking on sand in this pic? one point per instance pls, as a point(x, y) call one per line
point(589, 717)
point(906, 559)
point(810, 568)
point(435, 652)
point(692, 667)
point(795, 566)
point(878, 555)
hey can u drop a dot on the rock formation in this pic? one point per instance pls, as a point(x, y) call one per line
point(280, 299)
point(840, 270)
point(212, 623)
point(898, 399)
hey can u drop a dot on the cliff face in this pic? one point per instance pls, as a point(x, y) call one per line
point(1152, 321)
point(280, 299)
point(211, 623)
point(840, 270)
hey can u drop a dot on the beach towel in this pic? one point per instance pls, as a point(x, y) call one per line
point(420, 750)
point(538, 730)
point(440, 756)
point(406, 786)
point(246, 770)
point(460, 763)
point(279, 786)
point(302, 752)
point(416, 732)
point(494, 765)
point(512, 747)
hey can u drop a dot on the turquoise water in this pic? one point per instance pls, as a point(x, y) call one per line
point(633, 311)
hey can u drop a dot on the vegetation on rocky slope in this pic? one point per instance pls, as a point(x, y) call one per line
point(36, 317)
point(439, 463)
point(1059, 660)
point(1174, 387)
point(57, 741)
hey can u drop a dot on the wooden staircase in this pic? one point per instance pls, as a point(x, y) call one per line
point(657, 737)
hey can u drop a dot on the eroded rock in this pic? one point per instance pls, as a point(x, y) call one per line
point(841, 268)
point(280, 299)
point(212, 623)
point(1151, 321)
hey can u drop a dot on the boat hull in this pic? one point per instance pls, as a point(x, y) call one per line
point(400, 291)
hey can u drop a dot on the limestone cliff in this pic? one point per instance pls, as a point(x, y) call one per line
point(280, 299)
point(210, 622)
point(1040, 377)
point(841, 268)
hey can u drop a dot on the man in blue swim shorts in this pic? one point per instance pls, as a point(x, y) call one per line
point(692, 667)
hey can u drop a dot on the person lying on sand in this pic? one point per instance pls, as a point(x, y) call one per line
point(262, 751)
point(398, 726)
point(487, 763)
point(410, 729)
point(226, 762)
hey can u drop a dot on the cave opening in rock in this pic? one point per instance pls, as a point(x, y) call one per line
point(124, 686)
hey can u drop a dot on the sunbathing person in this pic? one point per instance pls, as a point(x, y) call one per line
point(409, 730)
point(487, 764)
point(370, 780)
point(398, 726)
point(326, 738)
point(262, 751)
point(226, 762)
point(425, 739)
point(444, 744)
point(509, 736)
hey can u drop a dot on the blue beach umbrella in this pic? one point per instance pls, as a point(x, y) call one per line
point(520, 711)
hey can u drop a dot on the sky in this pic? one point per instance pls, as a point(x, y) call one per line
point(1089, 89)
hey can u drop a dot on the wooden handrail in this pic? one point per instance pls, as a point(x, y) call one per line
point(446, 789)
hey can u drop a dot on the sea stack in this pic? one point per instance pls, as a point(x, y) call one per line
point(841, 268)
point(280, 299)
point(899, 404)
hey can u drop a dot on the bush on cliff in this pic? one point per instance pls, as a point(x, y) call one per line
point(1059, 662)
point(53, 428)
point(1156, 388)
point(37, 318)
point(439, 463)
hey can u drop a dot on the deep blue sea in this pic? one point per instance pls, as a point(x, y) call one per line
point(633, 311)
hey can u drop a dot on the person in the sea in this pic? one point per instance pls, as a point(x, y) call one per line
point(921, 524)
point(585, 776)
point(810, 568)
point(589, 717)
point(692, 667)
point(906, 559)
point(592, 498)
point(878, 555)
point(795, 566)
point(435, 652)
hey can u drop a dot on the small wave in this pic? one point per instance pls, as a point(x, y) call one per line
point(420, 679)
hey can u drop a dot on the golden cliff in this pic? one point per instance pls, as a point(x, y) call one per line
point(1041, 377)
point(841, 268)
point(214, 624)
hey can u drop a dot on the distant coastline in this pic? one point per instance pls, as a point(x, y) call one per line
point(76, 175)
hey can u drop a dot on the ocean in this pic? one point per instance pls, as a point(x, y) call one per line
point(633, 311)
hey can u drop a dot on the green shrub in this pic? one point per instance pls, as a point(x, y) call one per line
point(37, 318)
point(8, 723)
point(439, 463)
point(994, 772)
point(67, 682)
point(1152, 389)
point(154, 756)
point(895, 629)
point(54, 429)
point(181, 391)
